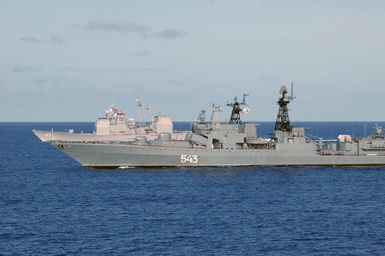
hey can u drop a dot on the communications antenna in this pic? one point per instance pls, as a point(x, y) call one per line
point(291, 97)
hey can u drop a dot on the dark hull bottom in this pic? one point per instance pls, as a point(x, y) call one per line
point(113, 167)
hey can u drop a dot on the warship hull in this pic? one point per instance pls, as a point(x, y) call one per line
point(125, 156)
point(49, 136)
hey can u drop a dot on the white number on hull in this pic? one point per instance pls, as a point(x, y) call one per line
point(192, 159)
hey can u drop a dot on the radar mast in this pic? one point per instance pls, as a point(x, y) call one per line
point(283, 122)
point(142, 110)
point(237, 109)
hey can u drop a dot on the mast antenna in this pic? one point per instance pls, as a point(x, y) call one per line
point(283, 122)
point(291, 97)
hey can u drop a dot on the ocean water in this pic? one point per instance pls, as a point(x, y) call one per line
point(49, 205)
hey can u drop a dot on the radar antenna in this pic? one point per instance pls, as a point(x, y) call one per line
point(378, 132)
point(237, 109)
point(202, 116)
point(283, 123)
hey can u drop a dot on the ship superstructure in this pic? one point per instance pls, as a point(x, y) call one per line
point(115, 126)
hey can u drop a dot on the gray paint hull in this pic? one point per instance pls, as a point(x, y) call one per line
point(48, 136)
point(120, 155)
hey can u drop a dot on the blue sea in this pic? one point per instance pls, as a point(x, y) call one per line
point(50, 205)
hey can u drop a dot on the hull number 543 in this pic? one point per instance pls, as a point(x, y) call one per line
point(192, 159)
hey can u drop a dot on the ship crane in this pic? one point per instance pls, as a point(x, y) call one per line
point(283, 122)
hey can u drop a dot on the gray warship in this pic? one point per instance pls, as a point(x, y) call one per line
point(114, 126)
point(234, 143)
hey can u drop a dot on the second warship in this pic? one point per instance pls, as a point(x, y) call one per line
point(114, 126)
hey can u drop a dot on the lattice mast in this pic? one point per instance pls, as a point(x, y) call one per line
point(237, 109)
point(283, 122)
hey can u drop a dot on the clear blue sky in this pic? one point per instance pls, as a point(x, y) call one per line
point(69, 60)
